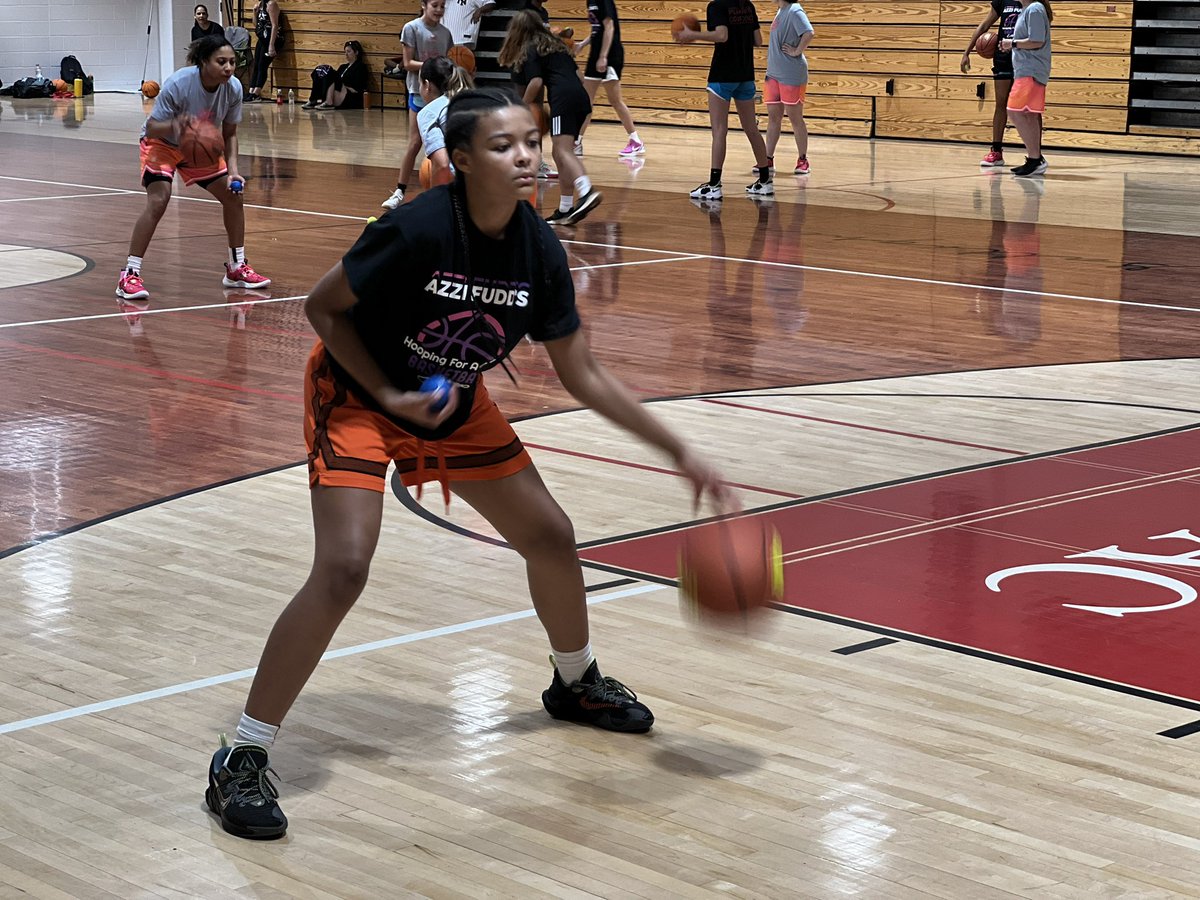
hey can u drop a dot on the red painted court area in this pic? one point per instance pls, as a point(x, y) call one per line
point(1085, 561)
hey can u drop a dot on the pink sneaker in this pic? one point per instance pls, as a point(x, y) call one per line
point(244, 277)
point(801, 166)
point(992, 160)
point(633, 148)
point(130, 287)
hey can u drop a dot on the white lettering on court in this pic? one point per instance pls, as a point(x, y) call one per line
point(1186, 593)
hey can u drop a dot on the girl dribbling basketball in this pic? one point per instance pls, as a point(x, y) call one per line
point(474, 260)
point(204, 96)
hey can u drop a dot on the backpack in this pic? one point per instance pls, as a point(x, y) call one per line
point(238, 37)
point(70, 69)
point(26, 88)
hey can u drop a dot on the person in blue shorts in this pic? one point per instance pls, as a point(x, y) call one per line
point(732, 27)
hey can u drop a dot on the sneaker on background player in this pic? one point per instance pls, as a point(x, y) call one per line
point(707, 191)
point(761, 189)
point(993, 160)
point(633, 148)
point(1031, 167)
point(802, 167)
point(394, 200)
point(130, 287)
point(243, 276)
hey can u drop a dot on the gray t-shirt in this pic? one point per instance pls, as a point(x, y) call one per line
point(789, 25)
point(425, 43)
point(184, 94)
point(1032, 25)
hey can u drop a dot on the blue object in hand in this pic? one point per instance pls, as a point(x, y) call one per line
point(236, 185)
point(440, 387)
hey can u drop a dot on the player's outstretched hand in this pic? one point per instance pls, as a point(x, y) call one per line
point(706, 480)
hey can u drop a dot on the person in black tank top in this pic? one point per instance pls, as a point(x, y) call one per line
point(268, 26)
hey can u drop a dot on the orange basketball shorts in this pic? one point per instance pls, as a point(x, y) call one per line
point(161, 160)
point(350, 445)
point(787, 94)
point(1027, 95)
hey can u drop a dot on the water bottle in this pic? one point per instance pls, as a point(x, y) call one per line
point(291, 97)
point(37, 70)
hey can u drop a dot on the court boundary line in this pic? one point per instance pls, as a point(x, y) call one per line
point(101, 706)
point(911, 279)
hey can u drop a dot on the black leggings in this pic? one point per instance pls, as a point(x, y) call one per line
point(262, 63)
point(320, 85)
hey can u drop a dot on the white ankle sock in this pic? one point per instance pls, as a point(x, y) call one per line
point(564, 203)
point(633, 136)
point(237, 256)
point(571, 666)
point(252, 731)
point(134, 265)
point(583, 185)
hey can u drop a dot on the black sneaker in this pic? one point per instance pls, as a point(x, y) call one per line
point(556, 217)
point(597, 700)
point(240, 792)
point(589, 202)
point(1031, 167)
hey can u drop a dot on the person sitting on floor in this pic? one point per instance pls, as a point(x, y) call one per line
point(344, 88)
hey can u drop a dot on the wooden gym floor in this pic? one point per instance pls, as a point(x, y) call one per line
point(969, 403)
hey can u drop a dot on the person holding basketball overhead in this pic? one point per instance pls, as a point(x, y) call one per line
point(539, 58)
point(448, 284)
point(196, 114)
point(1030, 47)
point(1005, 12)
point(732, 28)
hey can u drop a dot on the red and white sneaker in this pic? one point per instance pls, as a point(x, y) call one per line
point(801, 166)
point(993, 160)
point(130, 287)
point(243, 277)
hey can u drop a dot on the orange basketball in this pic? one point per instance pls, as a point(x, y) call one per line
point(60, 86)
point(462, 57)
point(150, 89)
point(566, 35)
point(445, 176)
point(201, 143)
point(986, 45)
point(730, 569)
point(687, 20)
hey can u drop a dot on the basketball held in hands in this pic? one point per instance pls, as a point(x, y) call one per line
point(986, 45)
point(688, 21)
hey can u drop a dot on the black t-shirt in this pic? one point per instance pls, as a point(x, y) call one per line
point(559, 73)
point(1007, 10)
point(213, 28)
point(733, 60)
point(598, 11)
point(408, 272)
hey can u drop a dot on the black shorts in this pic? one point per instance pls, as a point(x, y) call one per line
point(568, 115)
point(616, 62)
point(1002, 67)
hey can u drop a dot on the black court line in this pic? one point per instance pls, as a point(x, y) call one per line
point(603, 586)
point(1180, 731)
point(866, 645)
